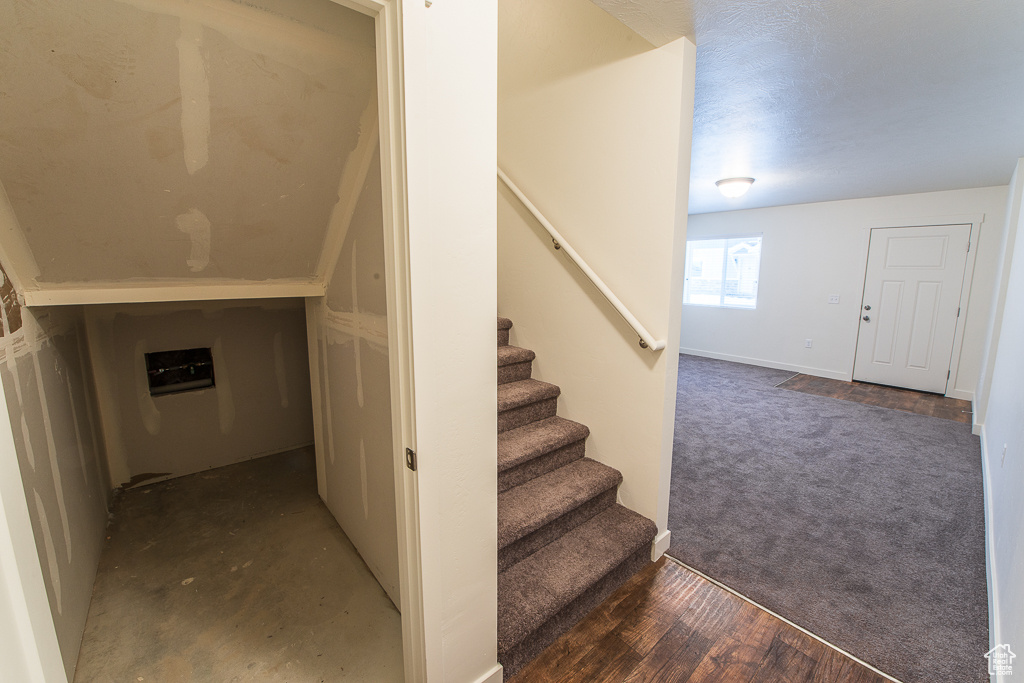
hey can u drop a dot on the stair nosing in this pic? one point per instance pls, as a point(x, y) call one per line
point(514, 355)
point(539, 391)
point(576, 432)
point(585, 469)
point(564, 598)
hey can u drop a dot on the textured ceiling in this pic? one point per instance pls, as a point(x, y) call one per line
point(832, 99)
point(167, 139)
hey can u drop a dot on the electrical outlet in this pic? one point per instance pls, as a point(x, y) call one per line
point(807, 343)
point(834, 299)
point(1004, 456)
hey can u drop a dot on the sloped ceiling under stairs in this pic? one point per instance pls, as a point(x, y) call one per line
point(176, 141)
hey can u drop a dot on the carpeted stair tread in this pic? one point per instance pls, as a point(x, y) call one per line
point(524, 392)
point(521, 445)
point(537, 588)
point(504, 323)
point(529, 506)
point(507, 355)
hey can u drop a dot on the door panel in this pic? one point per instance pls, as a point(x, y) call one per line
point(922, 331)
point(911, 299)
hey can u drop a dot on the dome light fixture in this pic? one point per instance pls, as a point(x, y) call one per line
point(734, 187)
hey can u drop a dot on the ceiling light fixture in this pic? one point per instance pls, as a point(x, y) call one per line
point(734, 187)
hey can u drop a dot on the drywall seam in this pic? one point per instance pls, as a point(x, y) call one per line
point(51, 446)
point(282, 378)
point(195, 98)
point(196, 225)
point(225, 401)
point(350, 188)
point(342, 327)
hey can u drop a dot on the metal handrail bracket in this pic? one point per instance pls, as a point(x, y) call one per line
point(647, 340)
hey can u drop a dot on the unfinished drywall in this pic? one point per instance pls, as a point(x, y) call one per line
point(260, 403)
point(1002, 431)
point(146, 139)
point(42, 359)
point(348, 354)
point(813, 251)
point(594, 126)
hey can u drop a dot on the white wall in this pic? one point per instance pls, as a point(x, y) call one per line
point(812, 251)
point(450, 53)
point(348, 356)
point(1002, 436)
point(594, 124)
point(57, 461)
point(260, 403)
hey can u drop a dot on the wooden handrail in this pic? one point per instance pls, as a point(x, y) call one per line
point(647, 340)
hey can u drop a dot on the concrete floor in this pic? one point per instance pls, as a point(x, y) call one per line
point(236, 574)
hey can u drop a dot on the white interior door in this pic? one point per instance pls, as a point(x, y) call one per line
point(910, 306)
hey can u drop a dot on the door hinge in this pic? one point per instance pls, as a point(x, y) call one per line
point(968, 247)
point(958, 312)
point(947, 374)
point(410, 459)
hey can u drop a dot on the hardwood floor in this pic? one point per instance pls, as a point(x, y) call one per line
point(669, 624)
point(906, 400)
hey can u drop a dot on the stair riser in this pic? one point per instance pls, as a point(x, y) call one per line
point(515, 372)
point(524, 415)
point(502, 337)
point(531, 543)
point(532, 645)
point(542, 464)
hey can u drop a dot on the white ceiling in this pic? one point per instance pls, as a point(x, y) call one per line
point(833, 99)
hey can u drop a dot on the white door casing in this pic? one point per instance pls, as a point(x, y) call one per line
point(909, 311)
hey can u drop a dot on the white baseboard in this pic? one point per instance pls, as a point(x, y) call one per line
point(660, 544)
point(495, 675)
point(994, 629)
point(803, 369)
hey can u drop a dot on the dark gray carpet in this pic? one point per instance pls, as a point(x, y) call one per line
point(863, 525)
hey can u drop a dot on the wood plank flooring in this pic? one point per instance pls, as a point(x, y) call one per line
point(895, 398)
point(669, 625)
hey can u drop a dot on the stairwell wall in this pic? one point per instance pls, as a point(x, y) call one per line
point(1002, 433)
point(594, 124)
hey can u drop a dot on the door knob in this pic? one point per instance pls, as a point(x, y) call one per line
point(867, 318)
point(867, 308)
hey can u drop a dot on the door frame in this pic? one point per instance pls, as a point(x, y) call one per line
point(387, 15)
point(28, 617)
point(975, 221)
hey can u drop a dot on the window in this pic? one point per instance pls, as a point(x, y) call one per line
point(722, 272)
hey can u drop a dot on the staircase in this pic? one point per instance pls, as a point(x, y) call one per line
point(564, 544)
